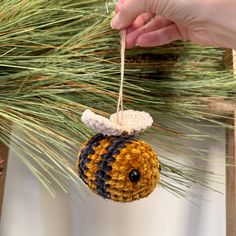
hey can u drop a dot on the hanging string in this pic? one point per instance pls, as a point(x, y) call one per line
point(122, 70)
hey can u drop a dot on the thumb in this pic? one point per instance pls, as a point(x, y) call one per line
point(131, 9)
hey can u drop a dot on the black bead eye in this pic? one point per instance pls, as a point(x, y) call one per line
point(134, 176)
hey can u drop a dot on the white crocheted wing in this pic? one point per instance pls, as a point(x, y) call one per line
point(100, 124)
point(128, 121)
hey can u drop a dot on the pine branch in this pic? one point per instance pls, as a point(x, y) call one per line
point(60, 57)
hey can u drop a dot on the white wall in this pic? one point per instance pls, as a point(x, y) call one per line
point(29, 210)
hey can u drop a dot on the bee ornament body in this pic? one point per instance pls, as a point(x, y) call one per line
point(120, 168)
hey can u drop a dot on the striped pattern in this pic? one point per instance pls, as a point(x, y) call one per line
point(105, 163)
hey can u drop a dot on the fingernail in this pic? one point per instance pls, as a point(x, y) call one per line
point(115, 23)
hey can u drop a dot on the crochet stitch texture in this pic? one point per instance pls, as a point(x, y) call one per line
point(120, 168)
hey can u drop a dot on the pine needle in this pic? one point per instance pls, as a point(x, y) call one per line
point(59, 57)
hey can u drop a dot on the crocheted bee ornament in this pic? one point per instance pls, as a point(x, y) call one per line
point(115, 164)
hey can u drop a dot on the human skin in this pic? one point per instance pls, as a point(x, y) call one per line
point(151, 23)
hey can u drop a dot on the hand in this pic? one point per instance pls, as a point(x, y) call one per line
point(157, 22)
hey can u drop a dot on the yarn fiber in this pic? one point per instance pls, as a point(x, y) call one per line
point(120, 168)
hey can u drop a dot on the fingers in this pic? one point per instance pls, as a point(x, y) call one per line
point(140, 21)
point(118, 5)
point(154, 24)
point(129, 11)
point(135, 16)
point(159, 37)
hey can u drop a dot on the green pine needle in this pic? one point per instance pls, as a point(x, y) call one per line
point(59, 57)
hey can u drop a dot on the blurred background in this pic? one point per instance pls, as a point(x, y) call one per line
point(29, 210)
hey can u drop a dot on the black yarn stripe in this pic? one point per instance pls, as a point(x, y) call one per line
point(88, 149)
point(105, 165)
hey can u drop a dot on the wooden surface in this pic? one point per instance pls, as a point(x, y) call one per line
point(3, 166)
point(231, 171)
point(231, 180)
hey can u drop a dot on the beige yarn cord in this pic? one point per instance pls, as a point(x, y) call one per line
point(122, 70)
